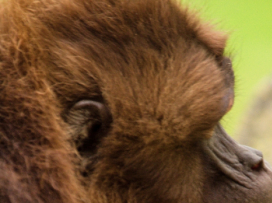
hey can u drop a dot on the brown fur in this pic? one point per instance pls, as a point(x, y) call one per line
point(149, 60)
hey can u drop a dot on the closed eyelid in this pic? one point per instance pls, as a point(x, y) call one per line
point(228, 74)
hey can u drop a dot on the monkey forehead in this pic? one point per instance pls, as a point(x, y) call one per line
point(149, 57)
point(112, 34)
point(121, 24)
point(140, 53)
point(183, 88)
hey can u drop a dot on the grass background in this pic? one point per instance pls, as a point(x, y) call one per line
point(249, 45)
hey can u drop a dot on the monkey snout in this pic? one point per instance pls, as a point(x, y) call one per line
point(251, 158)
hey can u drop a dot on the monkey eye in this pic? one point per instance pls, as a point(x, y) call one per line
point(227, 100)
point(90, 122)
point(226, 63)
point(227, 72)
point(230, 101)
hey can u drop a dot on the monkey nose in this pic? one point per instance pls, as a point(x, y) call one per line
point(251, 158)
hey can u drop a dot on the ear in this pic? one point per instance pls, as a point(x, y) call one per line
point(89, 122)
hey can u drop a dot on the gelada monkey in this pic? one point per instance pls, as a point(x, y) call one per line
point(118, 101)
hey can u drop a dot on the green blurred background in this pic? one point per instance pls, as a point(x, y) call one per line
point(250, 46)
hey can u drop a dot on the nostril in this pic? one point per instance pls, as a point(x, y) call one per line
point(252, 158)
point(257, 166)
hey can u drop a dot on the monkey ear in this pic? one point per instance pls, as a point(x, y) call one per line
point(89, 122)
